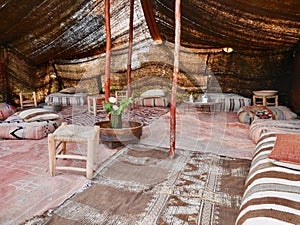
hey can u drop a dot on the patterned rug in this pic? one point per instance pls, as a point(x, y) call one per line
point(79, 115)
point(142, 185)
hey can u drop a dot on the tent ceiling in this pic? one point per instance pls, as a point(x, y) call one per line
point(54, 29)
point(242, 24)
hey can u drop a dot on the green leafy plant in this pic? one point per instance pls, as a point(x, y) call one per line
point(117, 108)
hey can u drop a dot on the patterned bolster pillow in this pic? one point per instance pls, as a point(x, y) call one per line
point(247, 114)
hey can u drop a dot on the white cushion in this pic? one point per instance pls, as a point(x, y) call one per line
point(153, 93)
point(37, 114)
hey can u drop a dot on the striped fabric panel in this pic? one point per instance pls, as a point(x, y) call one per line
point(272, 193)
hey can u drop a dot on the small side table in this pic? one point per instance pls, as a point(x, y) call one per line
point(265, 100)
point(92, 103)
point(75, 134)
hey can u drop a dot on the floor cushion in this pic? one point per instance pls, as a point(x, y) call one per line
point(153, 98)
point(232, 102)
point(66, 99)
point(30, 124)
point(286, 151)
point(6, 110)
point(271, 192)
point(258, 127)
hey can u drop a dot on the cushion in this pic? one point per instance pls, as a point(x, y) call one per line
point(6, 110)
point(282, 113)
point(73, 90)
point(153, 93)
point(153, 102)
point(232, 102)
point(66, 99)
point(286, 151)
point(17, 129)
point(247, 114)
point(37, 114)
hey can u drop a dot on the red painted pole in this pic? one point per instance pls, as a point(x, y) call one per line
point(130, 48)
point(108, 49)
point(174, 81)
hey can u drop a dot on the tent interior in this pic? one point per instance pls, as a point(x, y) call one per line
point(226, 46)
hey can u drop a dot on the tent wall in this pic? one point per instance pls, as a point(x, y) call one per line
point(237, 72)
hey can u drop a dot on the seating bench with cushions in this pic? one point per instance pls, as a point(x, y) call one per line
point(272, 188)
point(232, 102)
point(68, 97)
point(33, 124)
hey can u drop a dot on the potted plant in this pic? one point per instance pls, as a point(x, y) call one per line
point(115, 109)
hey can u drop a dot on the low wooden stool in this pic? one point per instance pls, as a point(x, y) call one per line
point(76, 134)
point(265, 100)
point(92, 103)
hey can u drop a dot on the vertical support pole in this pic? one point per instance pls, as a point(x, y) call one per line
point(174, 81)
point(130, 48)
point(108, 49)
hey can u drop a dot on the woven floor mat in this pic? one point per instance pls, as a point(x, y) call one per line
point(142, 185)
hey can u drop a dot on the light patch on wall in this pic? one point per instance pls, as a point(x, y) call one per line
point(228, 49)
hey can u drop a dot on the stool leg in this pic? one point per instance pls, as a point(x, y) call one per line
point(52, 158)
point(90, 159)
point(264, 100)
point(63, 147)
point(95, 106)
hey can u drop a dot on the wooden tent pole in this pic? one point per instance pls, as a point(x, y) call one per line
point(130, 48)
point(174, 81)
point(108, 49)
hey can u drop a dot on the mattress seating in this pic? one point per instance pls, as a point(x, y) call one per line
point(68, 97)
point(232, 102)
point(34, 124)
point(272, 188)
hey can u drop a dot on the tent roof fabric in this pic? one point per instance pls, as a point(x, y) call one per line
point(53, 29)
